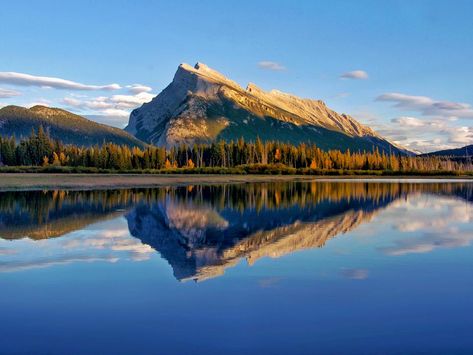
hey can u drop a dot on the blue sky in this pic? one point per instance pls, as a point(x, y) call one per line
point(417, 56)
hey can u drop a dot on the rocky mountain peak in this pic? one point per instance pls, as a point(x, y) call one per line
point(204, 73)
point(203, 105)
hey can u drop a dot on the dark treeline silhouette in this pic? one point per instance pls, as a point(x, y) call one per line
point(40, 150)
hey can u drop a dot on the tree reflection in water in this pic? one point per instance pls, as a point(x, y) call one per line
point(202, 230)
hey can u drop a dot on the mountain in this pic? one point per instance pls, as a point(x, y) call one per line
point(466, 151)
point(50, 214)
point(218, 240)
point(60, 124)
point(201, 105)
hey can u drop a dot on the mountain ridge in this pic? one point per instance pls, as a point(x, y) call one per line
point(466, 152)
point(62, 125)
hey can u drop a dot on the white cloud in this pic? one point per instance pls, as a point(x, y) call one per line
point(113, 112)
point(355, 74)
point(428, 106)
point(408, 121)
point(461, 135)
point(422, 134)
point(108, 241)
point(117, 102)
point(138, 88)
point(268, 65)
point(426, 135)
point(22, 79)
point(131, 101)
point(427, 224)
point(113, 109)
point(6, 93)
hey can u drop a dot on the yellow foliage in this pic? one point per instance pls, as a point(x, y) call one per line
point(56, 160)
point(277, 154)
point(63, 159)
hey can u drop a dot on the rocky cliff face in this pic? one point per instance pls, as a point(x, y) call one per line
point(202, 105)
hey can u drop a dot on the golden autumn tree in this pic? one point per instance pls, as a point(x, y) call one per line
point(56, 160)
point(277, 154)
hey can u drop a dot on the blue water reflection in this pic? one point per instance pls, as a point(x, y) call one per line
point(322, 267)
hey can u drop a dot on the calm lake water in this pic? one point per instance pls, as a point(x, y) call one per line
point(269, 268)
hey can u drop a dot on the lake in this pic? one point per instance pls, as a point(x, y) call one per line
point(355, 267)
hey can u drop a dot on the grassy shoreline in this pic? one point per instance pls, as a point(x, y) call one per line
point(41, 181)
point(252, 169)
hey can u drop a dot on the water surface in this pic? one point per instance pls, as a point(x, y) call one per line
point(276, 268)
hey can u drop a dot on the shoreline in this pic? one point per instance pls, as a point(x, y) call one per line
point(32, 181)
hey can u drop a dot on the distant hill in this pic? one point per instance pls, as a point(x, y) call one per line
point(60, 124)
point(466, 151)
point(202, 106)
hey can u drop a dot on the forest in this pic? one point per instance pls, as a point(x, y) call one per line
point(41, 153)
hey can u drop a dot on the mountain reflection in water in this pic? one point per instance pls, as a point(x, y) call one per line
point(202, 230)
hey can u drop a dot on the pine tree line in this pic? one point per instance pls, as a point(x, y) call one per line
point(41, 150)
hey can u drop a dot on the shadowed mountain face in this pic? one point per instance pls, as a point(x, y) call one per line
point(202, 230)
point(463, 152)
point(201, 106)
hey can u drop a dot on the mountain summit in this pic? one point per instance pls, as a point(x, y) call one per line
point(201, 105)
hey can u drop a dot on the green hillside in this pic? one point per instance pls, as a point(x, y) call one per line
point(244, 123)
point(60, 124)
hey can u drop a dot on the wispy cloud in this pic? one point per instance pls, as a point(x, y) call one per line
point(429, 242)
point(355, 74)
point(40, 102)
point(269, 65)
point(22, 79)
point(428, 106)
point(342, 95)
point(6, 93)
point(20, 265)
point(138, 88)
point(6, 251)
point(355, 274)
